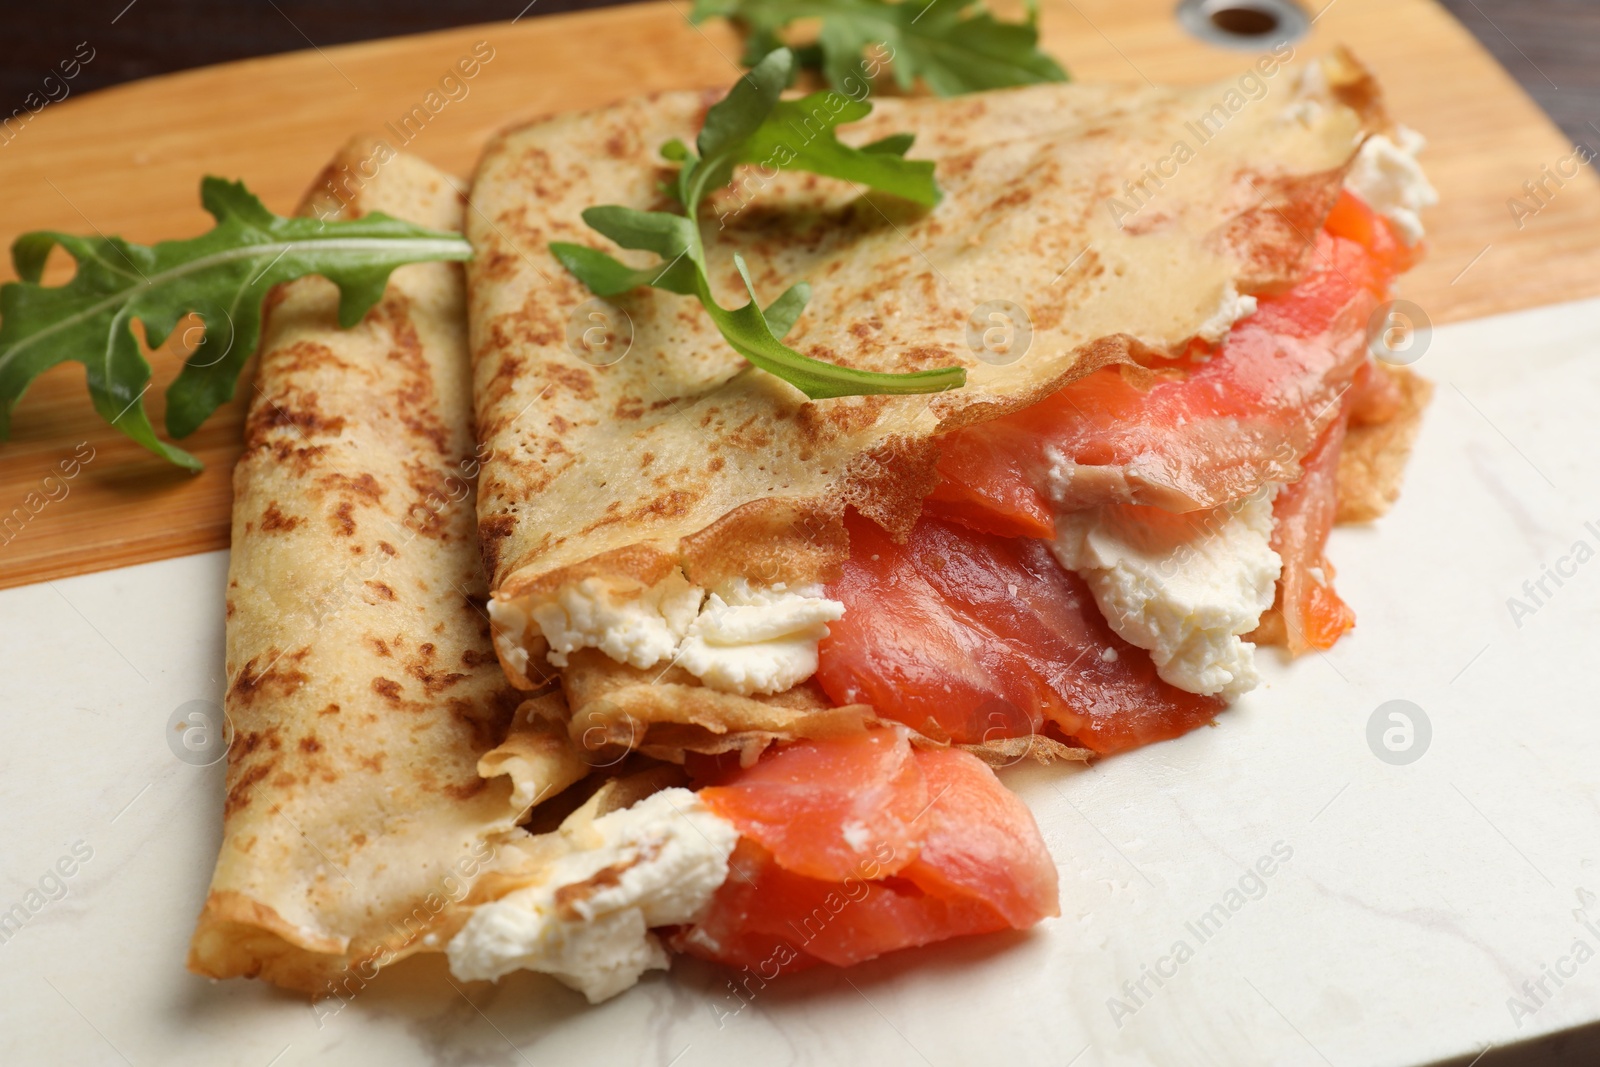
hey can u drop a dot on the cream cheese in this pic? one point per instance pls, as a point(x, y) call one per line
point(1387, 176)
point(742, 638)
point(752, 640)
point(1230, 309)
point(631, 623)
point(588, 922)
point(1186, 592)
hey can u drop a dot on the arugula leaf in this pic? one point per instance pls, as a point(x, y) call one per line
point(752, 125)
point(955, 46)
point(221, 276)
point(880, 165)
point(896, 144)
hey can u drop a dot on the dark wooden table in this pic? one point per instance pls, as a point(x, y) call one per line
point(1551, 46)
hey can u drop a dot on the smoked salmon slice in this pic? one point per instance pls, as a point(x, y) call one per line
point(973, 637)
point(1212, 427)
point(1353, 220)
point(987, 481)
point(814, 806)
point(967, 859)
point(978, 829)
point(1308, 612)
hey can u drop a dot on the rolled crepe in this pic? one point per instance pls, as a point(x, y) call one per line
point(362, 688)
point(680, 459)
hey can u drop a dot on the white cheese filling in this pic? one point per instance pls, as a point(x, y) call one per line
point(1232, 307)
point(1187, 592)
point(1385, 173)
point(588, 923)
point(740, 638)
point(752, 640)
point(630, 623)
point(1387, 176)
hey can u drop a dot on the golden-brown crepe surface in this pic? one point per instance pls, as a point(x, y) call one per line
point(362, 688)
point(1372, 462)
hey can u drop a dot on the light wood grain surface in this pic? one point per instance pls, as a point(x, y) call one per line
point(128, 161)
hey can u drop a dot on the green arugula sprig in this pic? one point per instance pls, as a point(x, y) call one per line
point(221, 276)
point(955, 46)
point(752, 125)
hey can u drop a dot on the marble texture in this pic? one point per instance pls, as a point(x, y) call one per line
point(1406, 905)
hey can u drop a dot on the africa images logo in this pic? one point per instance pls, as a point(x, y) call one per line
point(1203, 928)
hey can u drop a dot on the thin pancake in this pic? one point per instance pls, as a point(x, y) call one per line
point(363, 691)
point(1373, 461)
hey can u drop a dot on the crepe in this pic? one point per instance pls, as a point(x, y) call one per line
point(1373, 461)
point(362, 689)
point(1070, 201)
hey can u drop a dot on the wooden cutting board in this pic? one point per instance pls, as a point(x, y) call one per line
point(128, 161)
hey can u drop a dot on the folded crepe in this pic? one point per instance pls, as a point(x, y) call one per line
point(617, 493)
point(376, 774)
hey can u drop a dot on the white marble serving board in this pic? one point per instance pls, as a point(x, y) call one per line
point(1414, 902)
